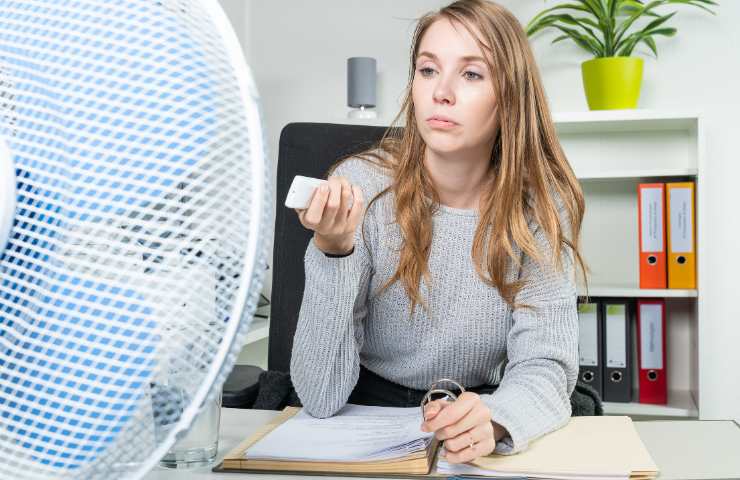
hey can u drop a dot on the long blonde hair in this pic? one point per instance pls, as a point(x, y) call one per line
point(529, 166)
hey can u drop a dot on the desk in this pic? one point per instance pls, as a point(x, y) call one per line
point(682, 449)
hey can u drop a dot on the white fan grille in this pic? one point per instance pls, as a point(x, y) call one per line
point(139, 236)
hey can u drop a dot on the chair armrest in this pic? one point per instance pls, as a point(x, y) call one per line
point(241, 386)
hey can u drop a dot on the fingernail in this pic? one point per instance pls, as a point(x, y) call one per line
point(423, 428)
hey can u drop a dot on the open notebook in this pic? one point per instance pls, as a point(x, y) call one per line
point(383, 441)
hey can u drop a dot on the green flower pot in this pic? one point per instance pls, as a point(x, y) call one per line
point(612, 82)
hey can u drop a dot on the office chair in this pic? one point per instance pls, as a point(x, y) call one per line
point(307, 149)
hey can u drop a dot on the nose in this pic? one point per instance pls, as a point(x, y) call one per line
point(443, 91)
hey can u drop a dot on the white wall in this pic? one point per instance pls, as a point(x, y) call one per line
point(238, 12)
point(298, 52)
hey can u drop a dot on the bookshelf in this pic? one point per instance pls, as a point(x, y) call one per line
point(611, 152)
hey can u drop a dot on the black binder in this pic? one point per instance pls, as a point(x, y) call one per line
point(590, 345)
point(617, 318)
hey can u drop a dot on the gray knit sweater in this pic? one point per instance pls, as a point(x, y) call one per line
point(470, 334)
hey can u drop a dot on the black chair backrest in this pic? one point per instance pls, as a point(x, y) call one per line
point(305, 149)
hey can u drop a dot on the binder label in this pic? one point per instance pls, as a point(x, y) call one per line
point(616, 336)
point(652, 220)
point(681, 231)
point(588, 335)
point(651, 335)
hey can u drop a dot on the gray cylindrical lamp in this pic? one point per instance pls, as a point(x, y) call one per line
point(361, 86)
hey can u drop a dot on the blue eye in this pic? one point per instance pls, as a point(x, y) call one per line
point(425, 69)
point(477, 76)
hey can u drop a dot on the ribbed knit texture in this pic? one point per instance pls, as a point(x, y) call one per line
point(470, 334)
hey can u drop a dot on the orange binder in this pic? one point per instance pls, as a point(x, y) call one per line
point(651, 206)
point(681, 228)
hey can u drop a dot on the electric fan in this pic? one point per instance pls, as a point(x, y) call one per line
point(134, 212)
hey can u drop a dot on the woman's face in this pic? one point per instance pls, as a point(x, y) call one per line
point(448, 84)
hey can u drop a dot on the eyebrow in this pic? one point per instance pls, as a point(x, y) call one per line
point(467, 58)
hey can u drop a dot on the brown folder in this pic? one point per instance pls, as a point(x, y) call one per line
point(593, 446)
point(414, 465)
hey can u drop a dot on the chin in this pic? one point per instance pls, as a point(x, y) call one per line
point(443, 142)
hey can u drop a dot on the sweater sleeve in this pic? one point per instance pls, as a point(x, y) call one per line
point(325, 363)
point(533, 398)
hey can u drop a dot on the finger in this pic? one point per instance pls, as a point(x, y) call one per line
point(357, 207)
point(313, 214)
point(479, 449)
point(453, 413)
point(333, 202)
point(479, 414)
point(432, 408)
point(469, 454)
point(346, 199)
point(478, 434)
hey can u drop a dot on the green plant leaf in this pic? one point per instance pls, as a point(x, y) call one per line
point(625, 7)
point(567, 6)
point(639, 10)
point(597, 9)
point(604, 26)
point(650, 42)
point(609, 9)
point(611, 6)
point(650, 6)
point(561, 38)
point(581, 40)
point(629, 10)
point(696, 3)
point(580, 22)
point(633, 39)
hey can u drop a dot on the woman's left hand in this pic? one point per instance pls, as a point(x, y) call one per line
point(465, 426)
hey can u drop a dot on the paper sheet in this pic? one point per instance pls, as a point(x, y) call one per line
point(355, 433)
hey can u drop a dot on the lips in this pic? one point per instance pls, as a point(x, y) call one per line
point(441, 118)
point(441, 123)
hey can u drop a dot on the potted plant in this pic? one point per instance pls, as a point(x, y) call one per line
point(608, 30)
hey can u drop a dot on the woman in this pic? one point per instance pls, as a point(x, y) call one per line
point(462, 264)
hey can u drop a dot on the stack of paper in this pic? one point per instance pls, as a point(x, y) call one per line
point(355, 434)
point(357, 440)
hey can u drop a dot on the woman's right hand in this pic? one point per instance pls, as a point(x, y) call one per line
point(333, 215)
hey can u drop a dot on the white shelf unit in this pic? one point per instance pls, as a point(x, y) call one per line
point(680, 404)
point(631, 291)
point(611, 152)
point(254, 351)
point(258, 330)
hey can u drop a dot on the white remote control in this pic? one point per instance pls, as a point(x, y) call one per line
point(301, 191)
